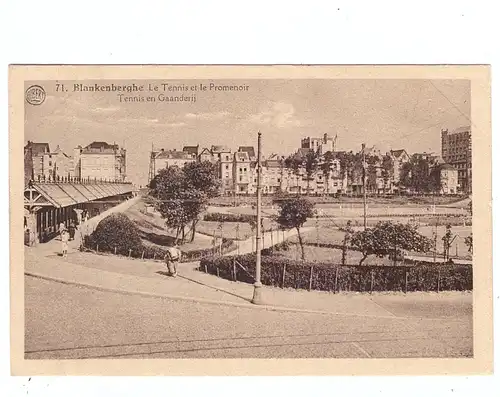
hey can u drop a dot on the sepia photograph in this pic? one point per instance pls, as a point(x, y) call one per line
point(273, 217)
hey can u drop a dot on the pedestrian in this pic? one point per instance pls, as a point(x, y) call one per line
point(71, 230)
point(62, 228)
point(172, 257)
point(64, 243)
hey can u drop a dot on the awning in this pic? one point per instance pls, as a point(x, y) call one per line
point(66, 194)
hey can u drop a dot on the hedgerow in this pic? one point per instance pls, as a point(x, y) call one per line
point(283, 272)
point(222, 217)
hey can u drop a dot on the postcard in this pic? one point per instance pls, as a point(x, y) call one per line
point(250, 220)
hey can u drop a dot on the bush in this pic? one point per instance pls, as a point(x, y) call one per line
point(221, 217)
point(282, 272)
point(118, 232)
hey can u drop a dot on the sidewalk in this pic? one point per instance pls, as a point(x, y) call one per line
point(132, 276)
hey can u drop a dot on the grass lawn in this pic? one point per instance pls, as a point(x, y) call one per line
point(152, 223)
point(394, 200)
point(328, 234)
point(320, 254)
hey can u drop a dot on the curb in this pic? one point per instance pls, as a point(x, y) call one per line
point(206, 301)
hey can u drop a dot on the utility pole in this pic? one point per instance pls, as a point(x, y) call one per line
point(364, 185)
point(257, 291)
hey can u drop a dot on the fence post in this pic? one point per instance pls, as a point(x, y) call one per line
point(206, 270)
point(234, 268)
point(311, 278)
point(371, 280)
point(439, 279)
point(218, 273)
point(335, 286)
point(115, 249)
point(272, 240)
point(283, 277)
point(142, 256)
point(129, 252)
point(154, 255)
point(406, 280)
point(97, 248)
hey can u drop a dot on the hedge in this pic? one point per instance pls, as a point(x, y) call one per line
point(282, 272)
point(145, 252)
point(118, 235)
point(222, 217)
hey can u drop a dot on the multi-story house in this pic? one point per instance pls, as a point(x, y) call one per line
point(206, 155)
point(243, 174)
point(273, 175)
point(193, 151)
point(57, 165)
point(170, 158)
point(222, 156)
point(456, 150)
point(448, 178)
point(100, 160)
point(398, 157)
point(33, 160)
point(319, 145)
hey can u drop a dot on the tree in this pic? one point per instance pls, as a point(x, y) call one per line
point(469, 243)
point(203, 184)
point(293, 213)
point(388, 238)
point(310, 164)
point(447, 241)
point(371, 177)
point(348, 230)
point(387, 167)
point(326, 167)
point(181, 195)
point(416, 175)
point(294, 163)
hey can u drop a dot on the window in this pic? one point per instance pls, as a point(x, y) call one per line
point(279, 180)
point(245, 169)
point(241, 178)
point(227, 167)
point(50, 163)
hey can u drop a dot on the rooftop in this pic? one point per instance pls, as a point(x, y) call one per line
point(173, 154)
point(38, 147)
point(248, 149)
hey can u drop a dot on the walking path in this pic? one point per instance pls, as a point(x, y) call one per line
point(269, 239)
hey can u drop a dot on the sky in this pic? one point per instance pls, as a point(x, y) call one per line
point(390, 114)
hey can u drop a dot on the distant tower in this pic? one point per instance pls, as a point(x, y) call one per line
point(152, 167)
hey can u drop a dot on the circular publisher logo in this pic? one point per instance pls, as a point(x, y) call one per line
point(35, 95)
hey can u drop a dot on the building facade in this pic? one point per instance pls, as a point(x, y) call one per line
point(100, 161)
point(456, 150)
point(448, 179)
point(34, 153)
point(170, 158)
point(57, 165)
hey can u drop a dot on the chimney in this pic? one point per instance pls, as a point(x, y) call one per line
point(162, 150)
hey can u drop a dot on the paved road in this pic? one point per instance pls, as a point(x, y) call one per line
point(64, 321)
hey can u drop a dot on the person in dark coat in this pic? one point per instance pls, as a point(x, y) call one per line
point(71, 230)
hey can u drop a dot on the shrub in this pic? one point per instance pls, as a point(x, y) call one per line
point(221, 217)
point(115, 231)
point(282, 272)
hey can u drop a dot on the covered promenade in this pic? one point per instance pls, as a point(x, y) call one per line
point(48, 204)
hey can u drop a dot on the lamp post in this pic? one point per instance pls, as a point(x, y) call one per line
point(257, 291)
